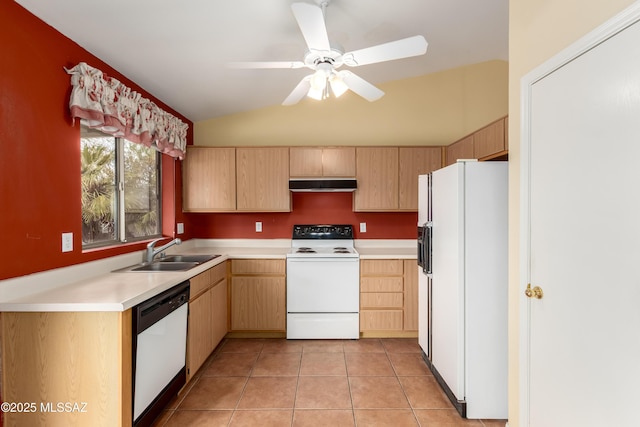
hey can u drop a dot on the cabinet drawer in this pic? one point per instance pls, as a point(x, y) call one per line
point(381, 300)
point(384, 267)
point(199, 284)
point(258, 266)
point(381, 284)
point(379, 320)
point(218, 272)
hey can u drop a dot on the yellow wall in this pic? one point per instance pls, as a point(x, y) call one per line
point(537, 31)
point(435, 109)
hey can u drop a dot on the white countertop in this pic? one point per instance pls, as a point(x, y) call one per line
point(94, 286)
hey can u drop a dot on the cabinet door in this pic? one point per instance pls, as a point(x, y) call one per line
point(263, 179)
point(258, 303)
point(410, 295)
point(305, 162)
point(339, 162)
point(462, 149)
point(209, 179)
point(377, 175)
point(218, 312)
point(414, 161)
point(199, 339)
point(489, 140)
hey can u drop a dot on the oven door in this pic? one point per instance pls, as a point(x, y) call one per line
point(323, 285)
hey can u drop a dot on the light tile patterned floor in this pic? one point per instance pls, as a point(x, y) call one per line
point(279, 382)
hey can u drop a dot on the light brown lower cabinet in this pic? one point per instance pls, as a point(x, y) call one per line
point(388, 297)
point(80, 358)
point(207, 323)
point(258, 295)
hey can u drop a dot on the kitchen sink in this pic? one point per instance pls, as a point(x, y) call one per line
point(171, 263)
point(165, 266)
point(187, 258)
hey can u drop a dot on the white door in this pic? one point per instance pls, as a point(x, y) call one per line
point(581, 224)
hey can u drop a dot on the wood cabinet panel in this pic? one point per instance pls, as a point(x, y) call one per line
point(381, 300)
point(339, 162)
point(219, 314)
point(412, 162)
point(381, 320)
point(258, 303)
point(410, 295)
point(377, 175)
point(199, 338)
point(262, 176)
point(209, 179)
point(381, 284)
point(258, 266)
point(381, 267)
point(218, 272)
point(309, 162)
point(199, 284)
point(68, 357)
point(489, 140)
point(462, 149)
point(305, 162)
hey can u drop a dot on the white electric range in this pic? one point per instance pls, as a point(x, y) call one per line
point(323, 283)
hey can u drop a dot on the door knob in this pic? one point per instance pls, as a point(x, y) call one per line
point(536, 292)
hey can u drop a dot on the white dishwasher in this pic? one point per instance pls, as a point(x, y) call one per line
point(159, 352)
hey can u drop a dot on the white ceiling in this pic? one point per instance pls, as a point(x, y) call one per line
point(177, 50)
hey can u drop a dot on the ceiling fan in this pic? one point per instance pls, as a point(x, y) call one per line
point(325, 58)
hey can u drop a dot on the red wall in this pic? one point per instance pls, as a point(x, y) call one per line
point(308, 208)
point(40, 149)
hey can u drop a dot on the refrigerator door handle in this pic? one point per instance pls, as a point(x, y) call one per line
point(427, 239)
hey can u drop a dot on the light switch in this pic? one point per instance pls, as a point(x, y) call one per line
point(67, 242)
point(258, 227)
point(363, 227)
point(180, 228)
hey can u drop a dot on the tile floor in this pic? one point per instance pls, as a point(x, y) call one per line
point(276, 382)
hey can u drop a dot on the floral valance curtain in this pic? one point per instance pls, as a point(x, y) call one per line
point(104, 103)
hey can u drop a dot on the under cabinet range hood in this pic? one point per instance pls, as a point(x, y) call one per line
point(323, 184)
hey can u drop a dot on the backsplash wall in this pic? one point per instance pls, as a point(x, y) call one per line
point(307, 208)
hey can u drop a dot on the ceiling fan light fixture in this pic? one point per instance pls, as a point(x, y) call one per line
point(338, 87)
point(317, 94)
point(319, 80)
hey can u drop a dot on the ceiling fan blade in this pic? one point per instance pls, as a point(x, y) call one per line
point(299, 92)
point(311, 22)
point(360, 86)
point(266, 64)
point(403, 48)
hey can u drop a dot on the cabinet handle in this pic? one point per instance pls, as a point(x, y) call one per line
point(536, 292)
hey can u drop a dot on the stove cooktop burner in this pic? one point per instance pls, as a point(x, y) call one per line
point(305, 250)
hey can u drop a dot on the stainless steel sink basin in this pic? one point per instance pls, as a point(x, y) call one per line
point(171, 263)
point(187, 258)
point(166, 266)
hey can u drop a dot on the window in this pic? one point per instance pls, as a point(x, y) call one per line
point(120, 190)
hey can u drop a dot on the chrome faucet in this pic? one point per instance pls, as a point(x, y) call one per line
point(152, 251)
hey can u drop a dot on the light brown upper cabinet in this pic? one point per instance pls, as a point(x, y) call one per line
point(377, 176)
point(462, 149)
point(307, 162)
point(262, 179)
point(490, 140)
point(388, 176)
point(414, 161)
point(209, 179)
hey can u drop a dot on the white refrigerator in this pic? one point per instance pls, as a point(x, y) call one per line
point(462, 245)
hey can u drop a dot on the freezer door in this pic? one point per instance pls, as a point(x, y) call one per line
point(448, 276)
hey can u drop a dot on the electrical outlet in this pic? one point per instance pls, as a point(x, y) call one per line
point(67, 242)
point(363, 227)
point(258, 227)
point(180, 228)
